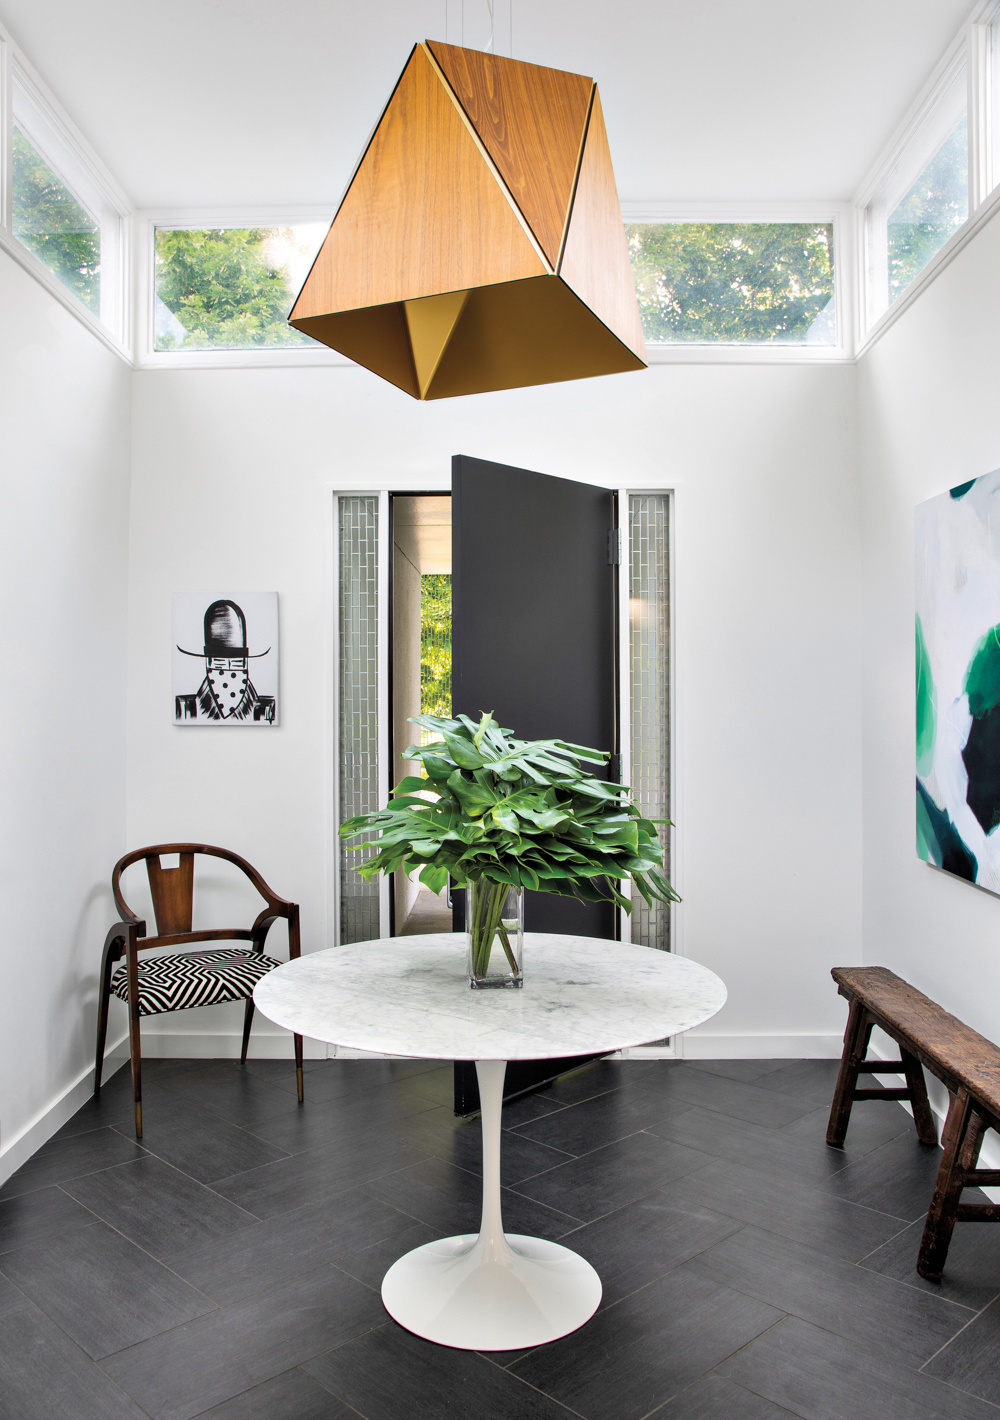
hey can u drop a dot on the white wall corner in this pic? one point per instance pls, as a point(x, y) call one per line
point(39, 1131)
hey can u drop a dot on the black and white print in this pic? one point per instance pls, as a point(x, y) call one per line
point(225, 658)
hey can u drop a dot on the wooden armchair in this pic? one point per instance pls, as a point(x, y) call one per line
point(178, 981)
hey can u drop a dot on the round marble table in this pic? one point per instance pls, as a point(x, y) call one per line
point(410, 996)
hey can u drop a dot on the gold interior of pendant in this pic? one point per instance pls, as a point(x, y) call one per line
point(514, 333)
point(431, 322)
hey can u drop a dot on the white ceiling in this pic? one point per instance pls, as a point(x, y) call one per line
point(248, 102)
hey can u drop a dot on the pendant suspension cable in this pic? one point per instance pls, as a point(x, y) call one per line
point(489, 6)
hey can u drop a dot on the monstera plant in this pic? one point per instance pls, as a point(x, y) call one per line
point(490, 809)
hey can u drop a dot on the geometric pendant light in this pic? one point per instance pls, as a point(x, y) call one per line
point(480, 244)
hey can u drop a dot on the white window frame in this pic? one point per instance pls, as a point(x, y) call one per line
point(974, 50)
point(204, 219)
point(53, 133)
point(739, 352)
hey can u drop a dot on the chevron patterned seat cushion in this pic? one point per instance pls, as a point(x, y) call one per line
point(194, 979)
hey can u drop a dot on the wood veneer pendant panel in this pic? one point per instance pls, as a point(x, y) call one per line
point(531, 120)
point(433, 274)
point(595, 261)
point(423, 216)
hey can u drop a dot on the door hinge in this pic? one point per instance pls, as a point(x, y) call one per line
point(614, 547)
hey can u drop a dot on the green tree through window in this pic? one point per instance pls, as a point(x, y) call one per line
point(932, 211)
point(50, 222)
point(226, 286)
point(741, 282)
point(435, 644)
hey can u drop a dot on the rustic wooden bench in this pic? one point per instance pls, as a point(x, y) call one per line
point(966, 1062)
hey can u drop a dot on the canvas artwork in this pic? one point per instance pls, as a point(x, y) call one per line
point(225, 658)
point(958, 680)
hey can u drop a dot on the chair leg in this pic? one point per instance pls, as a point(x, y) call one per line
point(247, 1023)
point(961, 1141)
point(919, 1103)
point(298, 1066)
point(856, 1038)
point(135, 1050)
point(102, 1030)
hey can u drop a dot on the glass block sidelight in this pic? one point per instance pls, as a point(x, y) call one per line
point(358, 685)
point(649, 670)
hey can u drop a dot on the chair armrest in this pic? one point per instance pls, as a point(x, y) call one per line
point(270, 915)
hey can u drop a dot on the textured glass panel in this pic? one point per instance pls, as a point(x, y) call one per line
point(649, 662)
point(358, 730)
point(932, 211)
point(231, 288)
point(744, 283)
point(50, 222)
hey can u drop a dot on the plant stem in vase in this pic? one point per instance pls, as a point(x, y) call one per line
point(494, 915)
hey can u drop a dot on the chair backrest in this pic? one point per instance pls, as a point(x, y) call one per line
point(172, 891)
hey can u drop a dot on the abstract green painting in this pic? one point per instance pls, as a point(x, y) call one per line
point(958, 680)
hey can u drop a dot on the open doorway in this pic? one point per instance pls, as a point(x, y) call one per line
point(420, 657)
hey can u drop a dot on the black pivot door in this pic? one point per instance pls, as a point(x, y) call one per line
point(534, 637)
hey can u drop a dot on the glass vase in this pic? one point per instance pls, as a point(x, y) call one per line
point(494, 918)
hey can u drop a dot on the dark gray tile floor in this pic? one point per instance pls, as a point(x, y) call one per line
point(229, 1266)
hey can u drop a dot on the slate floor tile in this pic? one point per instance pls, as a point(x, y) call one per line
point(971, 1361)
point(873, 1123)
point(788, 1208)
point(599, 1076)
point(607, 1179)
point(766, 1150)
point(581, 1128)
point(856, 1304)
point(43, 1375)
point(39, 1214)
point(12, 1299)
point(897, 1178)
point(390, 1374)
point(103, 1291)
point(334, 1079)
point(369, 1265)
point(618, 1366)
point(972, 1271)
point(291, 1396)
point(810, 1082)
point(227, 1089)
point(319, 1173)
point(714, 1398)
point(69, 1158)
point(450, 1200)
point(262, 1257)
point(203, 1145)
point(528, 1107)
point(461, 1143)
point(342, 1120)
point(183, 1372)
point(157, 1207)
point(751, 1102)
point(641, 1241)
point(746, 1070)
point(820, 1376)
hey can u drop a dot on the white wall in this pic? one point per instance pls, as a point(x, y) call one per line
point(64, 470)
point(928, 419)
point(233, 479)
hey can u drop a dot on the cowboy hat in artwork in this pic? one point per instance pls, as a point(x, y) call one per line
point(227, 695)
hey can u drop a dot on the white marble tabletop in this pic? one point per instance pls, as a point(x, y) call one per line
point(411, 996)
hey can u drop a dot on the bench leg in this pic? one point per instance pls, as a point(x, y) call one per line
point(920, 1104)
point(961, 1141)
point(856, 1038)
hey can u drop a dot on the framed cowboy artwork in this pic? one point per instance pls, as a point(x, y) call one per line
point(225, 658)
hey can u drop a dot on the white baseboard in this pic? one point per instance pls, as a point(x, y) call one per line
point(225, 1045)
point(39, 1131)
point(699, 1045)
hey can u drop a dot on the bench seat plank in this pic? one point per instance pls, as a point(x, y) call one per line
point(948, 1047)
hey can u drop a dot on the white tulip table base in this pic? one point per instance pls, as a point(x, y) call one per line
point(494, 1292)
